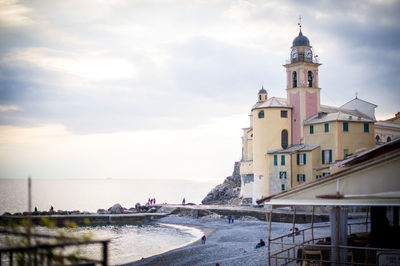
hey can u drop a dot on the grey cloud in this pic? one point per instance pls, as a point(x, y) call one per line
point(202, 77)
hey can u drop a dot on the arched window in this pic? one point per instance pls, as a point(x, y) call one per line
point(310, 79)
point(294, 79)
point(389, 139)
point(261, 114)
point(377, 138)
point(284, 139)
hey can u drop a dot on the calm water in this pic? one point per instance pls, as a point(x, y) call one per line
point(92, 194)
point(128, 243)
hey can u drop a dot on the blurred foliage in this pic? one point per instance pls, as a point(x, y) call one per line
point(25, 235)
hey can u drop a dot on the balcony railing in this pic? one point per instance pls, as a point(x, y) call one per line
point(302, 58)
point(44, 252)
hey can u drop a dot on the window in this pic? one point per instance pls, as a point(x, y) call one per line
point(283, 187)
point(301, 158)
point(389, 139)
point(345, 153)
point(310, 79)
point(311, 129)
point(366, 127)
point(301, 178)
point(275, 159)
point(377, 138)
point(282, 175)
point(283, 113)
point(326, 127)
point(259, 97)
point(326, 156)
point(294, 79)
point(261, 114)
point(317, 177)
point(345, 126)
point(284, 139)
point(282, 159)
point(326, 174)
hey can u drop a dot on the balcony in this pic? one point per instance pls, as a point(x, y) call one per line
point(302, 58)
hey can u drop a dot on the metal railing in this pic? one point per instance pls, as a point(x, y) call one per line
point(309, 246)
point(315, 254)
point(302, 58)
point(43, 252)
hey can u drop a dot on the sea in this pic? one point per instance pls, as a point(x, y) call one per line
point(128, 242)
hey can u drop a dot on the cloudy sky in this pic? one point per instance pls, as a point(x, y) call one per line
point(161, 89)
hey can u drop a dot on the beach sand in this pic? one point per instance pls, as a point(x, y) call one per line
point(227, 244)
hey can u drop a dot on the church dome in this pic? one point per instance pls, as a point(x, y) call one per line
point(262, 90)
point(301, 40)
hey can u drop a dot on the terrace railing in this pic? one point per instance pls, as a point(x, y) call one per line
point(45, 252)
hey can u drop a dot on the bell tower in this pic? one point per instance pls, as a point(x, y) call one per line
point(302, 90)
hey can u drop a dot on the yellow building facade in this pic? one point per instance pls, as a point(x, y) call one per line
point(296, 140)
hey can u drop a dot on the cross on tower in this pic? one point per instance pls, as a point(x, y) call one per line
point(299, 23)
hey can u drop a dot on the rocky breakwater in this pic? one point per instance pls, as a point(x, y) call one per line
point(228, 192)
point(116, 214)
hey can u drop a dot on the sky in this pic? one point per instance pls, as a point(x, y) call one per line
point(161, 89)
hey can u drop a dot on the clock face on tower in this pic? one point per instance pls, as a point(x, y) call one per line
point(308, 53)
point(294, 53)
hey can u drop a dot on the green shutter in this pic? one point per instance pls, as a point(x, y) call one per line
point(327, 127)
point(282, 159)
point(311, 129)
point(298, 159)
point(345, 126)
point(366, 127)
point(330, 156)
point(275, 159)
point(304, 178)
point(305, 156)
point(323, 157)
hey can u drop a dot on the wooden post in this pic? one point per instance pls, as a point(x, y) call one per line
point(294, 220)
point(29, 212)
point(269, 235)
point(337, 229)
point(312, 224)
point(105, 253)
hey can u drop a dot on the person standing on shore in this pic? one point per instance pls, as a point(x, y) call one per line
point(183, 201)
point(203, 239)
point(229, 219)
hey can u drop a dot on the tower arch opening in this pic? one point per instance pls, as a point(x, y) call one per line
point(294, 79)
point(284, 139)
point(310, 79)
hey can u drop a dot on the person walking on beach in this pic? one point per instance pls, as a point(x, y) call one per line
point(183, 201)
point(203, 239)
point(229, 219)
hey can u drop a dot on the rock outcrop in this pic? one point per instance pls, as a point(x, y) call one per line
point(227, 192)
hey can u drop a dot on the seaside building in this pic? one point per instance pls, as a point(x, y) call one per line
point(367, 183)
point(296, 140)
point(387, 130)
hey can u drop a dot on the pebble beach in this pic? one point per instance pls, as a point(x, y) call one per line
point(226, 244)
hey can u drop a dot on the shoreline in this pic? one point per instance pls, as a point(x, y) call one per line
point(226, 243)
point(205, 230)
